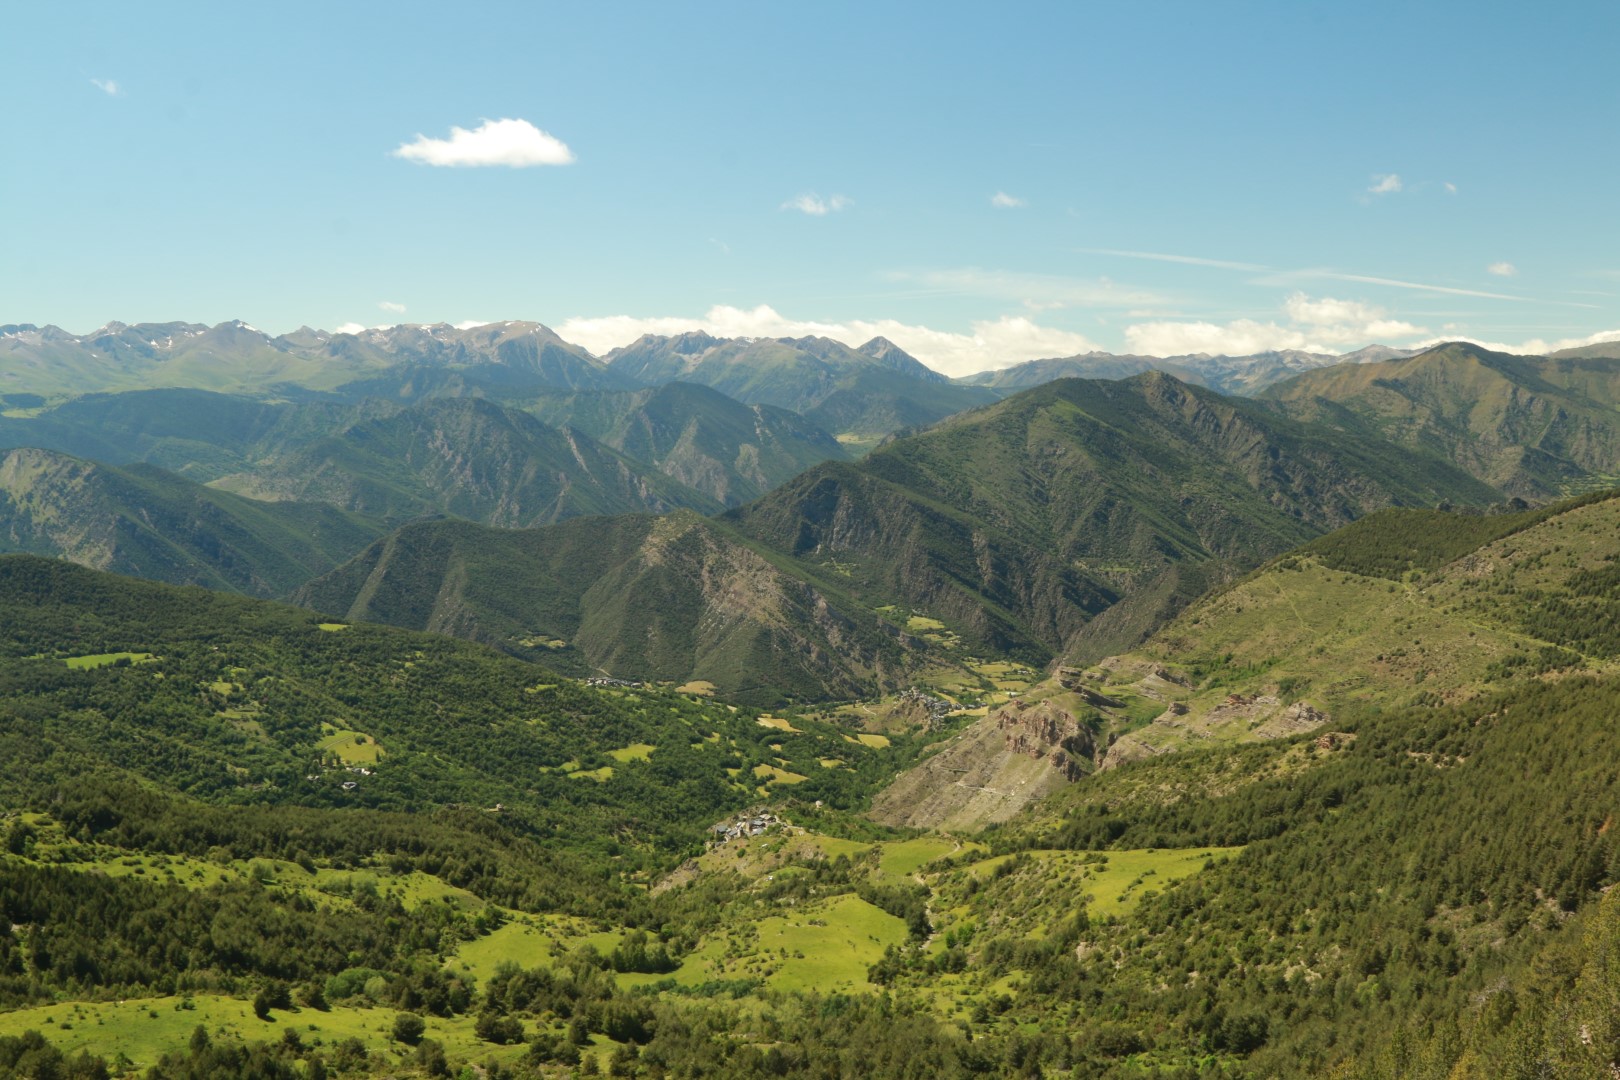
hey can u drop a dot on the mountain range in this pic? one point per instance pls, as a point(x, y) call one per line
point(1068, 520)
point(1117, 727)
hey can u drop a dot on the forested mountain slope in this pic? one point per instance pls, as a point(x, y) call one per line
point(731, 452)
point(149, 523)
point(675, 598)
point(1020, 524)
point(1531, 426)
point(467, 457)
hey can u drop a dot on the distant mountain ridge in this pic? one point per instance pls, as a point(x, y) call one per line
point(1535, 427)
point(861, 394)
point(1241, 375)
point(236, 357)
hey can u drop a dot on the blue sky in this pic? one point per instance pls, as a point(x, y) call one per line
point(1172, 177)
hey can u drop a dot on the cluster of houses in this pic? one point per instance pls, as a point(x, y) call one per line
point(751, 823)
point(603, 680)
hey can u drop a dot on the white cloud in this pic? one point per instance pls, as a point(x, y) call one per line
point(109, 87)
point(1502, 269)
point(469, 324)
point(1324, 325)
point(517, 144)
point(996, 343)
point(1384, 184)
point(1007, 202)
point(1451, 189)
point(814, 205)
point(391, 306)
point(348, 328)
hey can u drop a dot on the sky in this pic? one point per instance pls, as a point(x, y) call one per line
point(981, 184)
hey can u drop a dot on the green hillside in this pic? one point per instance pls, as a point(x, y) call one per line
point(149, 523)
point(1021, 524)
point(467, 457)
point(1530, 426)
point(732, 452)
point(678, 598)
point(1401, 607)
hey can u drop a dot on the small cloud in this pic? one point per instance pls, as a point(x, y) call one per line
point(389, 305)
point(1384, 184)
point(348, 328)
point(1451, 189)
point(516, 144)
point(1005, 201)
point(816, 206)
point(1502, 269)
point(470, 324)
point(109, 87)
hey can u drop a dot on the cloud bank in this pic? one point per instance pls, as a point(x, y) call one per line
point(515, 144)
point(1324, 325)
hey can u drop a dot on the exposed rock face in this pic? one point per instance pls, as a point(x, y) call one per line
point(1044, 731)
point(1255, 718)
point(993, 769)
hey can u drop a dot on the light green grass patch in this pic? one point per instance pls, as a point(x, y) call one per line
point(96, 660)
point(143, 1029)
point(351, 747)
point(823, 946)
point(866, 738)
point(834, 846)
point(1116, 889)
point(634, 752)
point(778, 723)
point(904, 858)
point(601, 776)
point(773, 775)
point(528, 944)
point(920, 623)
point(332, 627)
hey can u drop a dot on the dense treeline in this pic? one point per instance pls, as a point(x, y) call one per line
point(1392, 543)
point(1387, 882)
